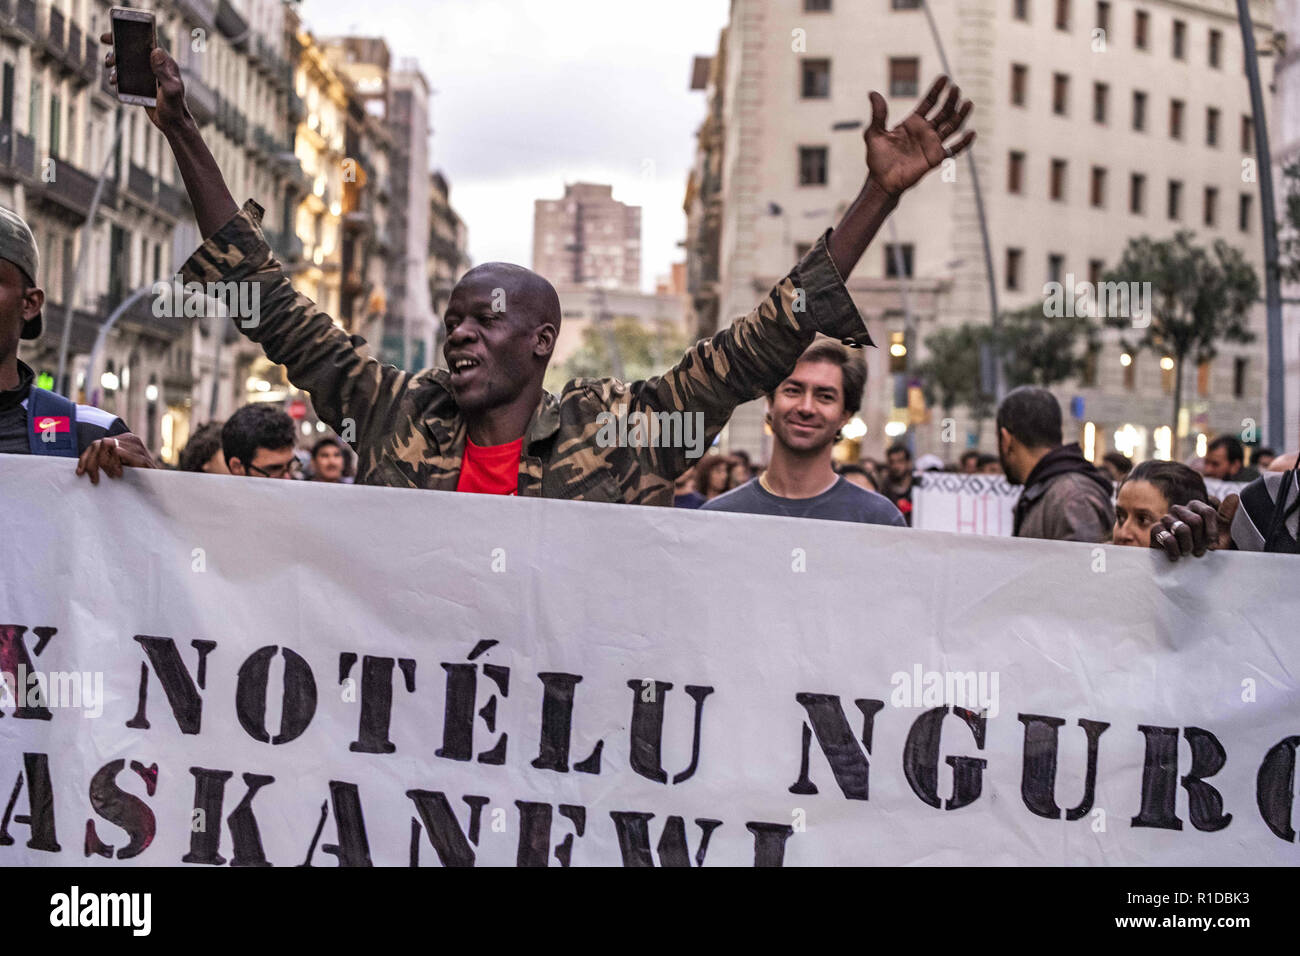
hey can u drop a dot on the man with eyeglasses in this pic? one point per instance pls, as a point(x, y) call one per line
point(258, 442)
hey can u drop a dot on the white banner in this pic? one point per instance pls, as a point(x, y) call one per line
point(244, 671)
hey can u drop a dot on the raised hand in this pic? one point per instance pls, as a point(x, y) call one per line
point(898, 158)
point(171, 112)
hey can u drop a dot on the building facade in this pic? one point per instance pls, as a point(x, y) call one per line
point(588, 238)
point(1098, 121)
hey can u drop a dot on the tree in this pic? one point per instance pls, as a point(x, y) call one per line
point(1039, 348)
point(950, 374)
point(645, 349)
point(1198, 298)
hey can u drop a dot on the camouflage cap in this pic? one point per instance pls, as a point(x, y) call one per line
point(19, 246)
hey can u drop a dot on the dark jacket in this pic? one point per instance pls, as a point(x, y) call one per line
point(411, 434)
point(1066, 498)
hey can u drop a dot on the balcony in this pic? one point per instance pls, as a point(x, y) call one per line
point(171, 200)
point(89, 69)
point(203, 101)
point(67, 196)
point(140, 183)
point(25, 18)
point(232, 23)
point(199, 12)
point(54, 32)
point(85, 326)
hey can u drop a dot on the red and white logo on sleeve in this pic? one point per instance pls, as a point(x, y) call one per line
point(47, 424)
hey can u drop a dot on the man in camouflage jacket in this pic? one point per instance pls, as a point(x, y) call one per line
point(412, 429)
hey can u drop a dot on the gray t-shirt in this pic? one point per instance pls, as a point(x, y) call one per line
point(842, 501)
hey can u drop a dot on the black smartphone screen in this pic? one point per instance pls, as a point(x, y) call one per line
point(132, 42)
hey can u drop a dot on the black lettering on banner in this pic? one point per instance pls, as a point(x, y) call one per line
point(1204, 802)
point(16, 663)
point(535, 833)
point(1038, 772)
point(557, 726)
point(299, 701)
point(769, 842)
point(450, 842)
point(458, 715)
point(647, 730)
point(205, 837)
point(921, 759)
point(634, 839)
point(1159, 779)
point(1275, 787)
point(353, 848)
point(126, 810)
point(848, 762)
point(40, 802)
point(376, 698)
point(179, 686)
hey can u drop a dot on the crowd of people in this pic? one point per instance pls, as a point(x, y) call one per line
point(485, 424)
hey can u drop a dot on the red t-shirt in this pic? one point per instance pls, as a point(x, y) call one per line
point(490, 469)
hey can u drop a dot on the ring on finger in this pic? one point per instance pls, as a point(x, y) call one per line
point(947, 152)
point(1176, 525)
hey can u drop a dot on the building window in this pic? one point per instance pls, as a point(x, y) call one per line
point(1139, 110)
point(1211, 205)
point(904, 75)
point(1130, 370)
point(1203, 378)
point(1180, 40)
point(1060, 94)
point(1247, 134)
point(1056, 185)
point(1089, 377)
point(1175, 203)
point(1140, 22)
point(55, 125)
point(1243, 212)
point(1175, 119)
point(1100, 97)
point(906, 4)
point(7, 96)
point(1167, 375)
point(1095, 267)
point(892, 254)
point(1020, 9)
point(1097, 191)
point(1055, 267)
point(1103, 16)
point(1013, 268)
point(1238, 377)
point(1216, 49)
point(812, 165)
point(1211, 126)
point(1137, 187)
point(1015, 171)
point(1063, 15)
point(816, 6)
point(1019, 80)
point(816, 83)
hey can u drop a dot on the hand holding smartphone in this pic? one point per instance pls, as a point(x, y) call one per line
point(133, 42)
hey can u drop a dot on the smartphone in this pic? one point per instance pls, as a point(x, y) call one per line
point(133, 42)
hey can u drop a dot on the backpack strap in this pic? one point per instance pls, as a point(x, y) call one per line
point(51, 424)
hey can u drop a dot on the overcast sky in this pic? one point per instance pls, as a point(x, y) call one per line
point(531, 94)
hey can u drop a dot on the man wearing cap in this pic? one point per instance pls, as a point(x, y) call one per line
point(34, 421)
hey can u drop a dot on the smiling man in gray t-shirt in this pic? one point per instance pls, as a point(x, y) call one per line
point(806, 412)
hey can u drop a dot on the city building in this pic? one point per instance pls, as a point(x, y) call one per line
point(411, 328)
point(1097, 121)
point(703, 202)
point(588, 238)
point(1284, 140)
point(448, 258)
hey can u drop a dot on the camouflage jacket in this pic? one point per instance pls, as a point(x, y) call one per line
point(408, 432)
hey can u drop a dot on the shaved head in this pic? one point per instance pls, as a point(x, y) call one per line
point(525, 290)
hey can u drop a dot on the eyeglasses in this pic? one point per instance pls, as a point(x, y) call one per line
point(293, 470)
